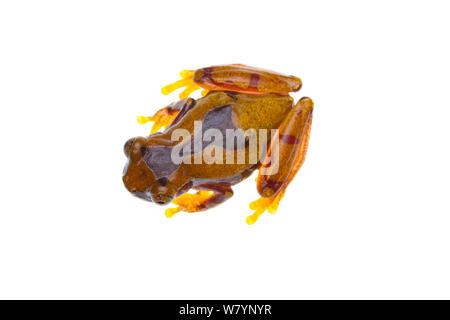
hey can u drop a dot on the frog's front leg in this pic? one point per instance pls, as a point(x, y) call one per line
point(284, 158)
point(208, 196)
point(165, 116)
point(234, 77)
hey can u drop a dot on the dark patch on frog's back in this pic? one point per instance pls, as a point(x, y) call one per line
point(219, 118)
point(158, 158)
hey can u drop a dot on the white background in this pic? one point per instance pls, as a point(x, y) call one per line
point(368, 215)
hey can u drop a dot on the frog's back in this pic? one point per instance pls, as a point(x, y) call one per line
point(245, 111)
point(224, 111)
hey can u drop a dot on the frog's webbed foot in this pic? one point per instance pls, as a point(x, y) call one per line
point(207, 197)
point(187, 82)
point(263, 204)
point(286, 155)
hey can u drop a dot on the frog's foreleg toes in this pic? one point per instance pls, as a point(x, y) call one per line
point(189, 202)
point(156, 125)
point(143, 119)
point(170, 212)
point(187, 82)
point(162, 118)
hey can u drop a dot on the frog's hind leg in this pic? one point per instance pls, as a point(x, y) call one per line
point(286, 155)
point(187, 82)
point(208, 196)
point(234, 77)
point(245, 79)
point(165, 116)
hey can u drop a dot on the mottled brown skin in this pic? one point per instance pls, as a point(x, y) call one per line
point(150, 156)
point(240, 97)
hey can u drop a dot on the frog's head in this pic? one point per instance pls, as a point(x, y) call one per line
point(146, 173)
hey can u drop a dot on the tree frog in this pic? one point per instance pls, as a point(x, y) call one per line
point(235, 98)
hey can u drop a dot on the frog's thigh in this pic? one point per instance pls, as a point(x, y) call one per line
point(285, 157)
point(208, 196)
point(241, 78)
point(165, 116)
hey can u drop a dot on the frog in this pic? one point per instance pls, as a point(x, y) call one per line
point(233, 97)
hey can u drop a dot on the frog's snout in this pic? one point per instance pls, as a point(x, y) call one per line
point(162, 191)
point(162, 199)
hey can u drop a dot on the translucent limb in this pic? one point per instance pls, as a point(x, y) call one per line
point(263, 204)
point(162, 118)
point(189, 202)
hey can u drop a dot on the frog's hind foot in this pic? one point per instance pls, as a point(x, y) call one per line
point(264, 204)
point(187, 82)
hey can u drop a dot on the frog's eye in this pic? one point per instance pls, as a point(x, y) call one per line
point(127, 146)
